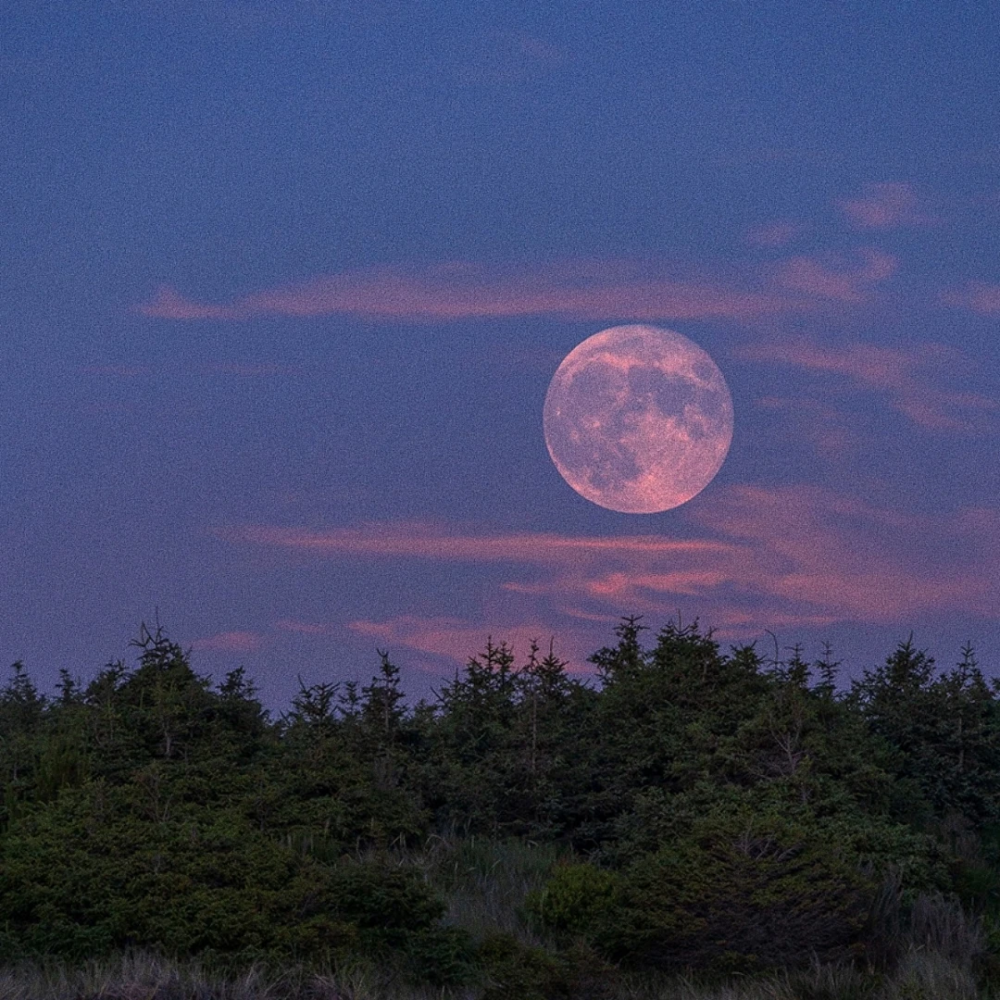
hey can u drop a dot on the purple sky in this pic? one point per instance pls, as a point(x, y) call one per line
point(282, 287)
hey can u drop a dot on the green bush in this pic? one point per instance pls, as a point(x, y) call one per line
point(383, 898)
point(740, 900)
point(82, 876)
point(577, 898)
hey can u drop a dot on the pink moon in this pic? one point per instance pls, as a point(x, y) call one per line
point(638, 419)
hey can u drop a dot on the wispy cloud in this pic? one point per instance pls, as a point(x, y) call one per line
point(794, 555)
point(977, 296)
point(886, 206)
point(833, 555)
point(600, 290)
point(239, 369)
point(170, 304)
point(907, 376)
point(432, 541)
point(454, 640)
point(848, 281)
point(457, 639)
point(813, 556)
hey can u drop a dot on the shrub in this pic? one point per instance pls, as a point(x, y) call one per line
point(739, 901)
point(78, 884)
point(384, 899)
point(578, 898)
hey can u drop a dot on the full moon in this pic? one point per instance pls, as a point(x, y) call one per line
point(638, 419)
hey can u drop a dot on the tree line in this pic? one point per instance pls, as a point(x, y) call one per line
point(714, 809)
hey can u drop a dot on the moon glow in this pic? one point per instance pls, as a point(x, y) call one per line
point(638, 419)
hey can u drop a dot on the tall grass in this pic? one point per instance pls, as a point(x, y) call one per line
point(935, 950)
point(921, 976)
point(486, 883)
point(144, 976)
point(140, 976)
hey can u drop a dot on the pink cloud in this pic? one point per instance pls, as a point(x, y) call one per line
point(806, 556)
point(596, 290)
point(230, 642)
point(782, 555)
point(976, 296)
point(170, 304)
point(850, 560)
point(243, 369)
point(886, 206)
point(848, 281)
point(429, 541)
point(453, 639)
point(457, 640)
point(905, 375)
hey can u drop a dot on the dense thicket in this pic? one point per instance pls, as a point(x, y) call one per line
point(716, 810)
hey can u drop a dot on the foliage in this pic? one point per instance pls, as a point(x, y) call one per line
point(579, 898)
point(695, 808)
point(743, 894)
point(944, 731)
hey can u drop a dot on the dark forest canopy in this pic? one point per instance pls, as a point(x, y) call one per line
point(713, 809)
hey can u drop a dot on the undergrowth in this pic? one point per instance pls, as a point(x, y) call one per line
point(938, 955)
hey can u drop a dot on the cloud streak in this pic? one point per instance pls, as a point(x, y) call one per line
point(977, 296)
point(886, 206)
point(428, 541)
point(456, 639)
point(838, 281)
point(790, 556)
point(905, 375)
point(837, 557)
point(571, 289)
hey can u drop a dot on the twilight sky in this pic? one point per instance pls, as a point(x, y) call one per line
point(283, 284)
